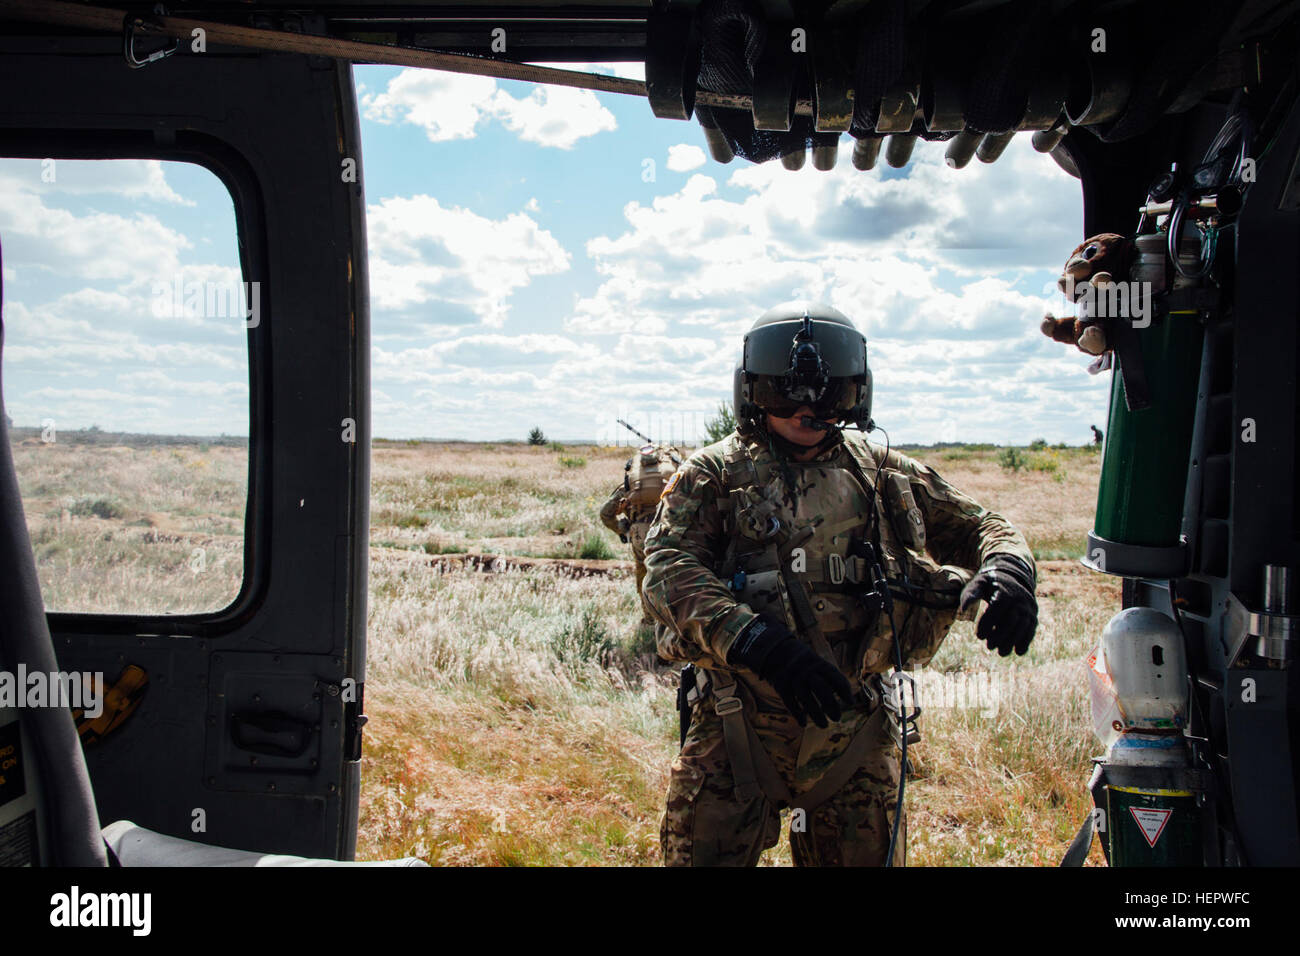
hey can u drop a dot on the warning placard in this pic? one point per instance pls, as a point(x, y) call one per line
point(12, 783)
point(18, 841)
point(1151, 822)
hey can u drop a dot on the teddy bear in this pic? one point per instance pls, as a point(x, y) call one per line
point(1096, 262)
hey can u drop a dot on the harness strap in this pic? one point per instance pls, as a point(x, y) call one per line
point(752, 770)
point(741, 754)
point(845, 765)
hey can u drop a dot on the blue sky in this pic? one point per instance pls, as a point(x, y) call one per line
point(555, 257)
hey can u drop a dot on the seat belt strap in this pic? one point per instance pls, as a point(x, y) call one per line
point(735, 734)
point(752, 770)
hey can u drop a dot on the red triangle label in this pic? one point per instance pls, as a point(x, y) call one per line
point(1150, 822)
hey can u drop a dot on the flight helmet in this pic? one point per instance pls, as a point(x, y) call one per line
point(803, 353)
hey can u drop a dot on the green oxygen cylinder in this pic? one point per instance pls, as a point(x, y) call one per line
point(1146, 452)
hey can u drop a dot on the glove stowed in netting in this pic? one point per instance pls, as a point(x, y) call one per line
point(808, 685)
point(1007, 583)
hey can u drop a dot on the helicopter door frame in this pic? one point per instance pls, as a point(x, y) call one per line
point(253, 714)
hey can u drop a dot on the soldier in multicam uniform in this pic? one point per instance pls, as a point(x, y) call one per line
point(779, 562)
point(631, 505)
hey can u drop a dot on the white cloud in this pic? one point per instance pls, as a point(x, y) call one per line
point(890, 251)
point(450, 106)
point(556, 116)
point(942, 269)
point(447, 105)
point(84, 343)
point(423, 254)
point(683, 157)
point(93, 246)
point(138, 179)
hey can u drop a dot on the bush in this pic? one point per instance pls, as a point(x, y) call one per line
point(1050, 463)
point(1011, 458)
point(642, 640)
point(573, 462)
point(555, 446)
point(537, 437)
point(434, 547)
point(583, 642)
point(595, 548)
point(99, 506)
point(1038, 444)
point(723, 425)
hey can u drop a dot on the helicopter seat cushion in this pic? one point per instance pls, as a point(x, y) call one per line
point(135, 846)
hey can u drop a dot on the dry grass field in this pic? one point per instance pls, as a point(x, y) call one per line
point(516, 712)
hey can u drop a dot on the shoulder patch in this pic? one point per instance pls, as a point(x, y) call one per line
point(672, 483)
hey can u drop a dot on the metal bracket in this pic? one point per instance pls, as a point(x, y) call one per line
point(132, 22)
point(904, 710)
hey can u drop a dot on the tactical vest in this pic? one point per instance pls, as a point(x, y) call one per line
point(800, 568)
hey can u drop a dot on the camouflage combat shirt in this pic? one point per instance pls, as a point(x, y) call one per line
point(692, 588)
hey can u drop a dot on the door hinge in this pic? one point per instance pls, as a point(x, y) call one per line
point(353, 721)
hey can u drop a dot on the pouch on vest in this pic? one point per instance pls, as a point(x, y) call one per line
point(904, 514)
point(764, 592)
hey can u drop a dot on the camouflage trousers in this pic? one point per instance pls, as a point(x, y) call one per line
point(705, 825)
point(637, 537)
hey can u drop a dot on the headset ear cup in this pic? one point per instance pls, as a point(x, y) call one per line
point(860, 415)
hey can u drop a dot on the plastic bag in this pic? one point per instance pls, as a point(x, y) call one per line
point(1107, 718)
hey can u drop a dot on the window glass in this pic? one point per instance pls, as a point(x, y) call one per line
point(126, 381)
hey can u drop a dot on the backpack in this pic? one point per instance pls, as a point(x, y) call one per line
point(647, 472)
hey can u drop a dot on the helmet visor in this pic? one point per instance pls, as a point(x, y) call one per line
point(772, 394)
point(767, 348)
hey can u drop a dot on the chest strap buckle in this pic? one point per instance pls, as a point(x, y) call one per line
point(725, 706)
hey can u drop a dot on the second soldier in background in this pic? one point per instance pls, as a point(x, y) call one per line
point(631, 505)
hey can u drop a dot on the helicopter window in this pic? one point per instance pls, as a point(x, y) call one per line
point(126, 381)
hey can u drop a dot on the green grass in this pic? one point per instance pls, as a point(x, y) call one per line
point(1059, 547)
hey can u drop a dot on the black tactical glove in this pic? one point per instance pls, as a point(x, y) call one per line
point(807, 684)
point(1007, 583)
